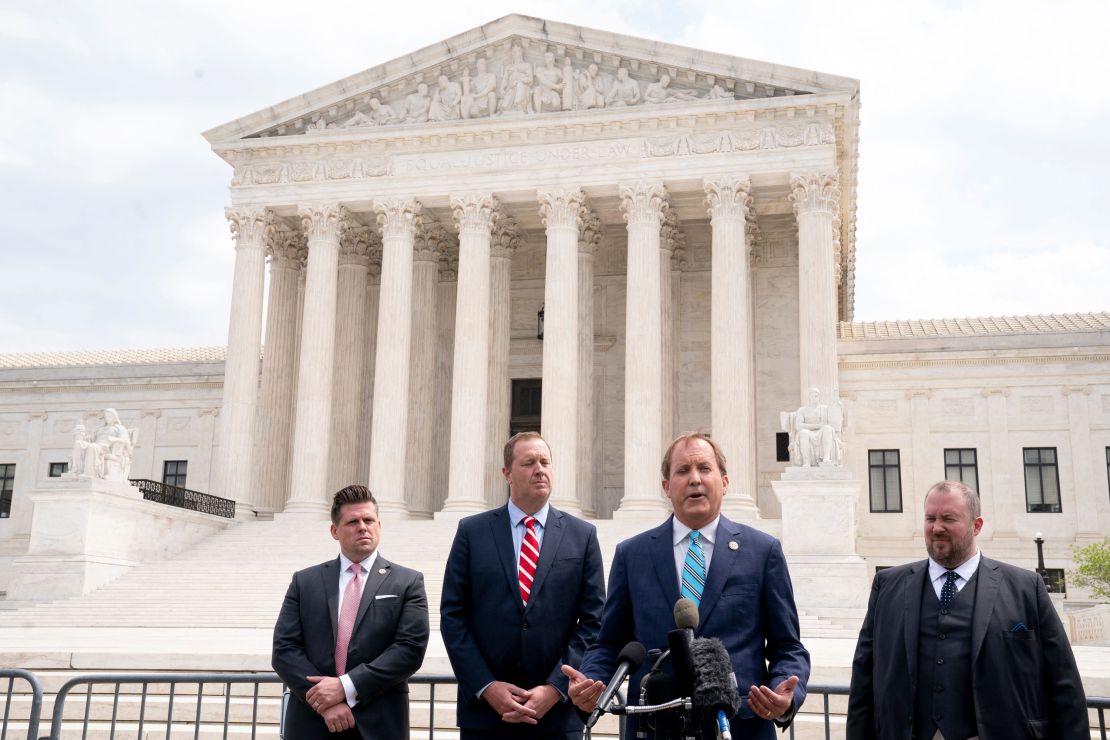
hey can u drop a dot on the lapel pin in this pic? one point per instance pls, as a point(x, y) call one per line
point(733, 546)
point(381, 571)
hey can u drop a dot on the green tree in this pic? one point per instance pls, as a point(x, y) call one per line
point(1092, 568)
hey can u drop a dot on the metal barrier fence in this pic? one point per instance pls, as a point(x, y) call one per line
point(195, 721)
point(34, 711)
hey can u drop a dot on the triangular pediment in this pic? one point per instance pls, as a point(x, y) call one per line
point(517, 67)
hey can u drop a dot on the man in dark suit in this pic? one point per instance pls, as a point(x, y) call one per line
point(510, 619)
point(961, 646)
point(735, 573)
point(350, 633)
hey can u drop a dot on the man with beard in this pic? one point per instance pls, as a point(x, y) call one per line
point(961, 646)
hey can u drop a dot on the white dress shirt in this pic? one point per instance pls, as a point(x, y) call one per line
point(680, 535)
point(965, 571)
point(345, 576)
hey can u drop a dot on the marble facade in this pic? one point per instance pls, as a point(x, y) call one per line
point(687, 222)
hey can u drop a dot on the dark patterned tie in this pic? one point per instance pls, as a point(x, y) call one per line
point(948, 591)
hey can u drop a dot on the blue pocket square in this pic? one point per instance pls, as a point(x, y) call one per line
point(1019, 627)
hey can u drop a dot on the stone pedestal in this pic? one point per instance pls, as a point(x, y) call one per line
point(86, 532)
point(819, 537)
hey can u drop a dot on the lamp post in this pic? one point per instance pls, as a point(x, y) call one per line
point(539, 323)
point(1040, 558)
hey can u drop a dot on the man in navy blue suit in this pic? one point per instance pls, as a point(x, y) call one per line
point(736, 574)
point(522, 596)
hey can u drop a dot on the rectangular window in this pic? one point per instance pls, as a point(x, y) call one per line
point(173, 472)
point(962, 465)
point(886, 480)
point(527, 397)
point(1054, 581)
point(1042, 480)
point(7, 482)
point(57, 470)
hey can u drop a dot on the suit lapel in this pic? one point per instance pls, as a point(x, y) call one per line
point(374, 580)
point(986, 591)
point(724, 561)
point(552, 536)
point(330, 576)
point(913, 587)
point(501, 531)
point(662, 558)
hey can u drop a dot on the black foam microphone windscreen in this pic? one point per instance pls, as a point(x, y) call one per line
point(715, 682)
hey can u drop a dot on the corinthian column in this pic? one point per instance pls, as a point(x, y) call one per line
point(589, 239)
point(732, 360)
point(816, 197)
point(643, 204)
point(274, 434)
point(561, 211)
point(431, 239)
point(249, 227)
point(506, 239)
point(324, 224)
point(370, 341)
point(350, 352)
point(390, 425)
point(671, 238)
point(475, 216)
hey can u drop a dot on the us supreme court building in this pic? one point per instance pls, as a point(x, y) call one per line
point(534, 225)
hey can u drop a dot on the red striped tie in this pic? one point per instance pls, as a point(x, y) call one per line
point(529, 556)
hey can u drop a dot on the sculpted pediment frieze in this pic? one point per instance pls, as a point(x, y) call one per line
point(519, 77)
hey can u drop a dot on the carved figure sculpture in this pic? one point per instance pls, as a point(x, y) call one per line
point(625, 91)
point(548, 91)
point(108, 454)
point(661, 92)
point(588, 91)
point(417, 105)
point(446, 102)
point(358, 120)
point(382, 114)
point(816, 432)
point(719, 93)
point(479, 96)
point(516, 84)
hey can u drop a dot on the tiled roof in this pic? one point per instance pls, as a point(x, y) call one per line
point(156, 356)
point(976, 327)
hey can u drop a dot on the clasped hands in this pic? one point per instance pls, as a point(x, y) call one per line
point(521, 706)
point(762, 700)
point(328, 699)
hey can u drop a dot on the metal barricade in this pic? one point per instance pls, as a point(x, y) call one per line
point(34, 711)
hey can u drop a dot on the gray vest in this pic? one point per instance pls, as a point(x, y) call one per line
point(944, 699)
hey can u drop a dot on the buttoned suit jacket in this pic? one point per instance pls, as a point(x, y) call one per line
point(489, 633)
point(387, 646)
point(1024, 679)
point(747, 603)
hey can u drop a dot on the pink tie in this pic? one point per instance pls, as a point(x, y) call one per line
point(347, 613)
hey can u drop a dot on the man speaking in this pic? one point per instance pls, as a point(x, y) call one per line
point(737, 577)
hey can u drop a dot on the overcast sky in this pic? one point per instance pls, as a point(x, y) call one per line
point(983, 157)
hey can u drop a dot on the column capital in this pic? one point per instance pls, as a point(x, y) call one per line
point(475, 212)
point(727, 196)
point(449, 264)
point(671, 236)
point(506, 237)
point(250, 225)
point(643, 201)
point(591, 233)
point(430, 240)
point(324, 221)
point(561, 208)
point(815, 192)
point(357, 246)
point(286, 246)
point(397, 216)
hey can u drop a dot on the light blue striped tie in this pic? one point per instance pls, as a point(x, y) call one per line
point(693, 570)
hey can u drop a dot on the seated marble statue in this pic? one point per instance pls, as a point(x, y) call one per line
point(108, 454)
point(816, 433)
point(662, 92)
point(588, 90)
point(417, 105)
point(446, 101)
point(479, 96)
point(517, 79)
point(548, 91)
point(625, 91)
point(382, 114)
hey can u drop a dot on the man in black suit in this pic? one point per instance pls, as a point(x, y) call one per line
point(961, 646)
point(350, 633)
point(510, 619)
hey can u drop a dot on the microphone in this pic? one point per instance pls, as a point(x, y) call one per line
point(686, 614)
point(715, 691)
point(680, 641)
point(629, 660)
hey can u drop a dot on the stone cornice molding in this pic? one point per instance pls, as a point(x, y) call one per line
point(561, 208)
point(324, 221)
point(475, 213)
point(250, 226)
point(37, 415)
point(913, 393)
point(591, 233)
point(1084, 390)
point(430, 240)
point(397, 217)
point(643, 202)
point(965, 362)
point(155, 413)
point(988, 392)
point(506, 239)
